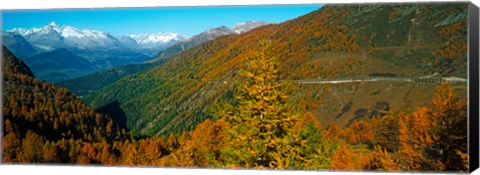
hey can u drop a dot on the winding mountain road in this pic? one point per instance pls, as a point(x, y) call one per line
point(375, 79)
point(429, 79)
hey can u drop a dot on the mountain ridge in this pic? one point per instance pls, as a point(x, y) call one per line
point(71, 37)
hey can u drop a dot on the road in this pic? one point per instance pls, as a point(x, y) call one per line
point(375, 79)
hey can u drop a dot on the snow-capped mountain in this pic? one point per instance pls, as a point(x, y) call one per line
point(101, 49)
point(53, 36)
point(247, 26)
point(151, 40)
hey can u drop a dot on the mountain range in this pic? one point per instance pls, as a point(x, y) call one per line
point(102, 49)
point(84, 84)
point(53, 36)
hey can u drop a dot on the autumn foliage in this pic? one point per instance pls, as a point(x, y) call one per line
point(256, 119)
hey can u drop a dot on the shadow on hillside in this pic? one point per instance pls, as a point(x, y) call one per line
point(114, 111)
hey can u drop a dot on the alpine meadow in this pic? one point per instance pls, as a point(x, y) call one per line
point(359, 87)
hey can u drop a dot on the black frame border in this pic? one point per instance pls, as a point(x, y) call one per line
point(473, 77)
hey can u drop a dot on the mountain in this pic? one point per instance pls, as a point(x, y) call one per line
point(15, 42)
point(194, 40)
point(336, 41)
point(151, 40)
point(53, 36)
point(247, 26)
point(102, 49)
point(153, 43)
point(85, 84)
point(88, 83)
point(47, 38)
point(105, 50)
point(209, 35)
point(58, 65)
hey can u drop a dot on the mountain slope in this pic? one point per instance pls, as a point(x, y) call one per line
point(333, 42)
point(12, 64)
point(51, 112)
point(83, 85)
point(58, 65)
point(18, 44)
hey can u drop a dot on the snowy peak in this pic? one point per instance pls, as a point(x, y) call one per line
point(247, 26)
point(64, 31)
point(158, 38)
point(53, 24)
point(53, 36)
point(19, 31)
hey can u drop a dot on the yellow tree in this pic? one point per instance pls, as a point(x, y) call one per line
point(11, 147)
point(385, 131)
point(448, 150)
point(32, 147)
point(343, 159)
point(260, 120)
point(381, 160)
point(414, 137)
point(261, 131)
point(435, 139)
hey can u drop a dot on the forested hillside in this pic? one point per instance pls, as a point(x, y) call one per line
point(258, 129)
point(44, 123)
point(259, 99)
point(405, 40)
point(36, 113)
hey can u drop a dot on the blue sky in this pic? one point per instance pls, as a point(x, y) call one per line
point(187, 20)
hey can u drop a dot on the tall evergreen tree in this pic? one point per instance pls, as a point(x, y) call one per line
point(260, 121)
point(261, 130)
